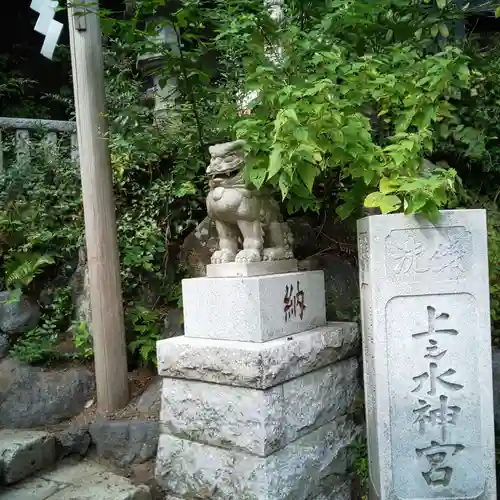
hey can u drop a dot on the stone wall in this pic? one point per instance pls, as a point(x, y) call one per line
point(257, 421)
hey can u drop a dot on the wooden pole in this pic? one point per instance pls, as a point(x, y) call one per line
point(99, 208)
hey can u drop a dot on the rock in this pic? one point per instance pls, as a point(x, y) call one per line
point(22, 453)
point(257, 365)
point(496, 385)
point(4, 346)
point(144, 474)
point(302, 470)
point(77, 480)
point(126, 441)
point(198, 247)
point(150, 400)
point(305, 236)
point(30, 396)
point(174, 323)
point(256, 421)
point(17, 315)
point(73, 440)
point(341, 285)
point(80, 291)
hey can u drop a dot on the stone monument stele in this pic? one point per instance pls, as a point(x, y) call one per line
point(427, 356)
point(257, 395)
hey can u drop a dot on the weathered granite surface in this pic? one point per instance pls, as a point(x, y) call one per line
point(427, 356)
point(76, 480)
point(496, 385)
point(17, 314)
point(235, 269)
point(73, 440)
point(125, 441)
point(257, 365)
point(23, 453)
point(4, 346)
point(31, 396)
point(248, 221)
point(297, 472)
point(258, 421)
point(253, 309)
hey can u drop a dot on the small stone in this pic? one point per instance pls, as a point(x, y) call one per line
point(22, 453)
point(173, 324)
point(87, 480)
point(198, 247)
point(33, 397)
point(80, 291)
point(125, 442)
point(73, 440)
point(105, 486)
point(341, 286)
point(17, 315)
point(4, 346)
point(150, 400)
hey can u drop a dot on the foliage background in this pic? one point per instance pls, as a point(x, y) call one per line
point(363, 93)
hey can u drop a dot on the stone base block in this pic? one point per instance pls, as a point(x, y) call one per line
point(253, 309)
point(303, 470)
point(257, 421)
point(257, 365)
point(236, 269)
point(22, 453)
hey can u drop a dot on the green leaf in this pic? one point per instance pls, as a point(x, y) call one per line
point(386, 203)
point(416, 203)
point(389, 203)
point(290, 113)
point(284, 185)
point(257, 176)
point(441, 4)
point(398, 157)
point(368, 176)
point(274, 162)
point(497, 12)
point(307, 173)
point(373, 200)
point(345, 210)
point(431, 211)
point(387, 186)
point(443, 29)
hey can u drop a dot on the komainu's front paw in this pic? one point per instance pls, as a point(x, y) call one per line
point(273, 254)
point(248, 255)
point(222, 256)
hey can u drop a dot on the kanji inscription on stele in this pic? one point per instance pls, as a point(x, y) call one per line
point(427, 361)
point(421, 254)
point(434, 396)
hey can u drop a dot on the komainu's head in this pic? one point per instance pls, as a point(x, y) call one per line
point(226, 161)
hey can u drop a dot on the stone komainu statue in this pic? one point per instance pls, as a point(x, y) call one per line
point(243, 214)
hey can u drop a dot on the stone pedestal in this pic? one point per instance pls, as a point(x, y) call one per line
point(266, 418)
point(253, 309)
point(427, 356)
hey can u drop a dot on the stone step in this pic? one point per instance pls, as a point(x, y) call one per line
point(23, 453)
point(76, 480)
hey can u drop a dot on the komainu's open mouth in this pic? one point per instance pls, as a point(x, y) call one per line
point(222, 176)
